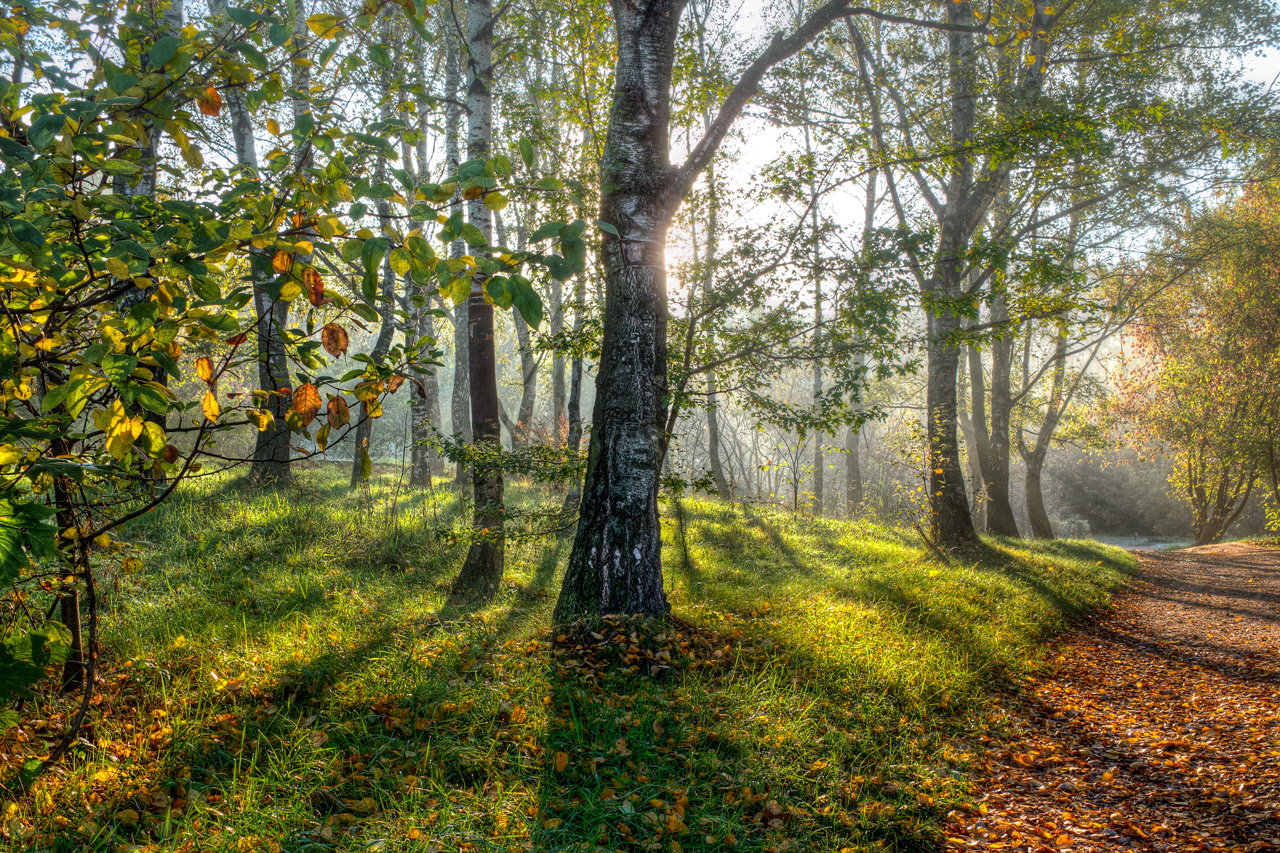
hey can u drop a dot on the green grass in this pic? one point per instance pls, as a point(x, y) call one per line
point(288, 671)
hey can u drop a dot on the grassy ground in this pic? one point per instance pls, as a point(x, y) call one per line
point(287, 671)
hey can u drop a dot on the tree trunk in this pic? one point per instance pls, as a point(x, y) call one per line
point(387, 303)
point(270, 462)
point(1041, 527)
point(952, 523)
point(482, 571)
point(713, 439)
point(819, 458)
point(522, 434)
point(616, 562)
point(460, 401)
point(559, 418)
point(424, 399)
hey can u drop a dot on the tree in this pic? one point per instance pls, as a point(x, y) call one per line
point(482, 571)
point(615, 565)
point(1202, 376)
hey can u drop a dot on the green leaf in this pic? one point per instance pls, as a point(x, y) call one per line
point(254, 56)
point(473, 235)
point(152, 400)
point(548, 229)
point(526, 300)
point(575, 255)
point(221, 322)
point(163, 51)
point(23, 530)
point(25, 232)
point(380, 55)
point(118, 366)
point(526, 152)
point(607, 228)
point(45, 129)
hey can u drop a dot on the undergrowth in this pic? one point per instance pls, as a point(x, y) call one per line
point(289, 672)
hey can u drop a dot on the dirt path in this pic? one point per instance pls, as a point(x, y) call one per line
point(1158, 728)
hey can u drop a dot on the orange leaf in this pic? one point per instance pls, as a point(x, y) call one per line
point(339, 413)
point(314, 284)
point(306, 403)
point(282, 262)
point(210, 102)
point(204, 368)
point(394, 383)
point(334, 338)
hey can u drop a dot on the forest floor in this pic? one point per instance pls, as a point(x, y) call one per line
point(289, 672)
point(1157, 727)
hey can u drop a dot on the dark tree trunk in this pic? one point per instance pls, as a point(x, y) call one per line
point(952, 523)
point(460, 400)
point(482, 571)
point(616, 562)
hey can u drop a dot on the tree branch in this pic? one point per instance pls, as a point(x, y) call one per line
point(780, 49)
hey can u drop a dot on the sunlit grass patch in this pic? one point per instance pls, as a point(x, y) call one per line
point(289, 671)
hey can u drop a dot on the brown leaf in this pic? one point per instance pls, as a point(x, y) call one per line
point(394, 383)
point(334, 338)
point(314, 285)
point(306, 403)
point(209, 101)
point(339, 413)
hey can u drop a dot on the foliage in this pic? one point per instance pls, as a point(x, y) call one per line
point(1202, 376)
point(118, 286)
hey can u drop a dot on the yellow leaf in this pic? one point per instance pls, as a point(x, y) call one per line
point(273, 127)
point(210, 406)
point(562, 761)
point(261, 419)
point(323, 25)
point(204, 368)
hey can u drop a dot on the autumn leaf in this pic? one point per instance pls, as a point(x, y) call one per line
point(282, 262)
point(339, 413)
point(210, 406)
point(204, 368)
point(306, 403)
point(334, 338)
point(394, 383)
point(209, 101)
point(561, 761)
point(314, 284)
point(261, 419)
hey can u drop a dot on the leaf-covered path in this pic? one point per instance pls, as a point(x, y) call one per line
point(1157, 728)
